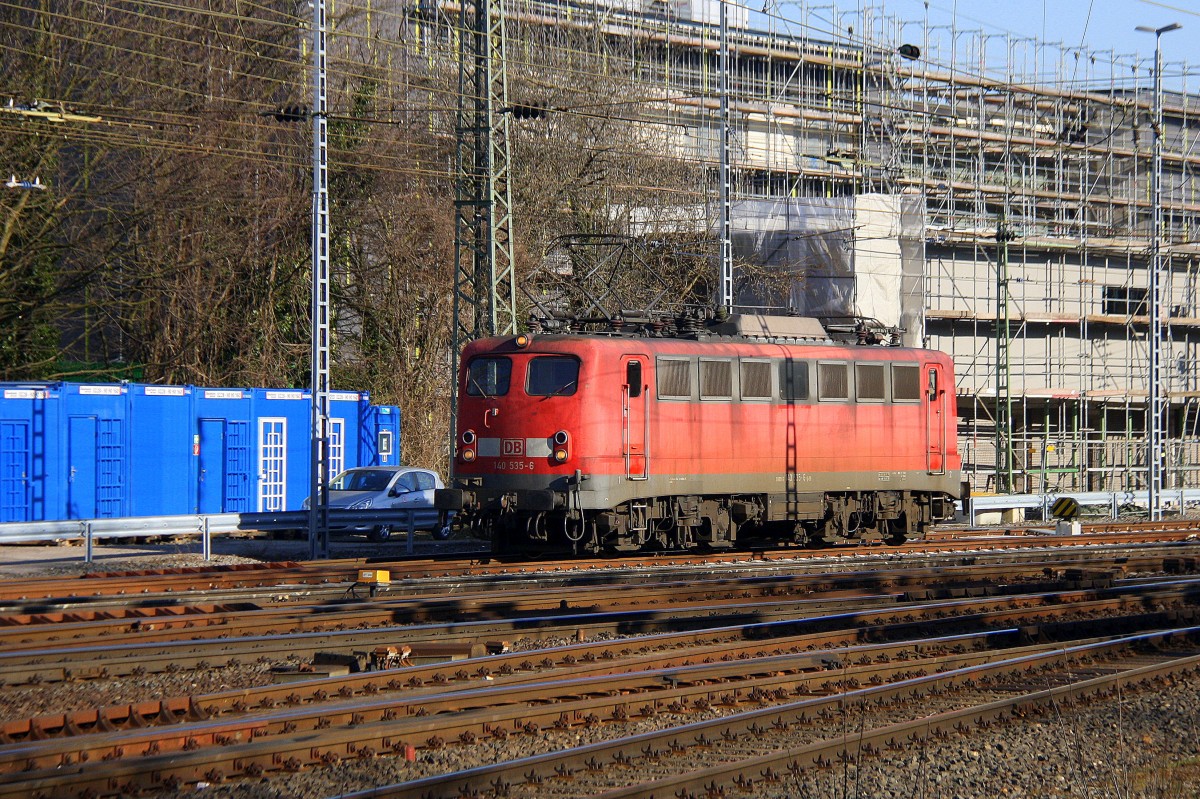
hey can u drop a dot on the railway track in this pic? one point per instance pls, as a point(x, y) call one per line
point(266, 579)
point(585, 681)
point(201, 746)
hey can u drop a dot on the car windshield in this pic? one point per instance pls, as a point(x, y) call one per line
point(362, 480)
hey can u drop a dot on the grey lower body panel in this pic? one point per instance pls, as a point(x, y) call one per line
point(591, 513)
point(600, 492)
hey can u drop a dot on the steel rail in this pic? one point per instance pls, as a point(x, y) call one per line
point(542, 700)
point(321, 572)
point(753, 722)
point(853, 748)
point(166, 603)
point(604, 657)
point(54, 664)
point(184, 756)
point(566, 661)
point(422, 602)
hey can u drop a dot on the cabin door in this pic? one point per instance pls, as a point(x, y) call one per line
point(635, 416)
point(935, 419)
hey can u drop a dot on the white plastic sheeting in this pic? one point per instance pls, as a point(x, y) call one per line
point(860, 256)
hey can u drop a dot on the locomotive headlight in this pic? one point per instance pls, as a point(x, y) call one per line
point(468, 437)
point(522, 341)
point(468, 455)
point(561, 449)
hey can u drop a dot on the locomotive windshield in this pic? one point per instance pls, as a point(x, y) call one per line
point(488, 377)
point(552, 376)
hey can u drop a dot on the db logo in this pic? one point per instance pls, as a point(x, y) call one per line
point(513, 446)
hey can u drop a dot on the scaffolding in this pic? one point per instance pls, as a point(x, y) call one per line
point(981, 129)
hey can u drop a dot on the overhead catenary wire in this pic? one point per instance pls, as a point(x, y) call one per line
point(579, 109)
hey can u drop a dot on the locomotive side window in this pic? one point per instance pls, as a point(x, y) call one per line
point(674, 378)
point(793, 380)
point(756, 380)
point(488, 377)
point(833, 380)
point(552, 376)
point(716, 379)
point(906, 383)
point(869, 382)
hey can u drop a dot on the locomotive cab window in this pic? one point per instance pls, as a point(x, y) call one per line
point(906, 383)
point(833, 380)
point(488, 377)
point(793, 380)
point(716, 379)
point(756, 380)
point(674, 378)
point(869, 382)
point(552, 376)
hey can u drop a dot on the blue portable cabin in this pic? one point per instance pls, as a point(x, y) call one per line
point(78, 451)
point(26, 414)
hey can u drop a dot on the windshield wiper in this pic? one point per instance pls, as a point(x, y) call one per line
point(562, 390)
point(482, 393)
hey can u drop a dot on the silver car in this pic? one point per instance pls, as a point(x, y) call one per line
point(382, 487)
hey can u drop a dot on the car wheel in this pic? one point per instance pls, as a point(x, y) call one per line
point(381, 533)
point(442, 533)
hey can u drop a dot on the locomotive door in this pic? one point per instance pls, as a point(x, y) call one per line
point(635, 417)
point(935, 420)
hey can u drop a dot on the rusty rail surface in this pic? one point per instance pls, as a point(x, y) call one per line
point(137, 762)
point(711, 781)
point(653, 645)
point(322, 573)
point(41, 663)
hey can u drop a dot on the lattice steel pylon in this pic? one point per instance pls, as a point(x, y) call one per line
point(484, 285)
point(318, 515)
point(1004, 414)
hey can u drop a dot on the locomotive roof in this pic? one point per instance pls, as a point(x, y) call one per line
point(744, 330)
point(749, 327)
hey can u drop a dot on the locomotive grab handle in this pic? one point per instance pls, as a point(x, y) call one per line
point(490, 412)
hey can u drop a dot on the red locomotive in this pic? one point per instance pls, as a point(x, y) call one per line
point(757, 429)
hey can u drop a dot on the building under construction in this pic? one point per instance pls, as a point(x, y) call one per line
point(990, 196)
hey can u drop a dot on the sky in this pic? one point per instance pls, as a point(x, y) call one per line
point(1098, 25)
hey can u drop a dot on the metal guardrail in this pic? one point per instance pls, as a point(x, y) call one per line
point(1112, 502)
point(206, 526)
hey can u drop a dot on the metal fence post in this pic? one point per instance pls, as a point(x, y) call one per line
point(207, 538)
point(412, 529)
point(87, 539)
